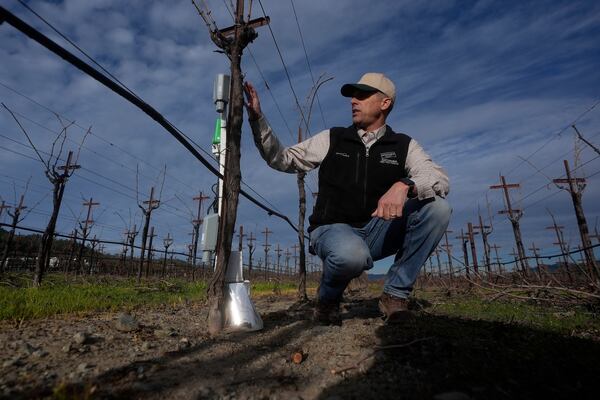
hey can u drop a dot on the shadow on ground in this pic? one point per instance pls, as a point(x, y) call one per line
point(215, 367)
point(465, 359)
point(473, 359)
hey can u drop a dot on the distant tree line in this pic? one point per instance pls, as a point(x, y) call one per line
point(29, 244)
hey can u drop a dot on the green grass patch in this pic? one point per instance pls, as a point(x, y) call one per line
point(67, 295)
point(575, 318)
point(270, 287)
point(60, 296)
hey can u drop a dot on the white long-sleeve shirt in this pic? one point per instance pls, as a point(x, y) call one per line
point(430, 179)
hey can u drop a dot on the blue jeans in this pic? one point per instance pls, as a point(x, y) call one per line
point(346, 251)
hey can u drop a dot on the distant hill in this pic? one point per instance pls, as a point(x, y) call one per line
point(376, 277)
point(552, 268)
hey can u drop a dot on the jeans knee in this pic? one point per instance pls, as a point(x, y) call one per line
point(440, 211)
point(349, 260)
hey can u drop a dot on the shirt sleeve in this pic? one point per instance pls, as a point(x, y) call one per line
point(430, 179)
point(301, 157)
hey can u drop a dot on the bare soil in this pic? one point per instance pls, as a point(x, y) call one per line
point(172, 356)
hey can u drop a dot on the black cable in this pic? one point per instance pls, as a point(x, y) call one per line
point(214, 204)
point(17, 23)
point(77, 47)
point(122, 84)
point(95, 135)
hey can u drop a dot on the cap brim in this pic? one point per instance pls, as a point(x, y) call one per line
point(349, 88)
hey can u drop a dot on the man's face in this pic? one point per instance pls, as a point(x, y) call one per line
point(368, 109)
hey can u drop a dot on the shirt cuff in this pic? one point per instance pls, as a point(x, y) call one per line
point(424, 188)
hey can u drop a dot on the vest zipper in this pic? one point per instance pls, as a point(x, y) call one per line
point(357, 169)
point(366, 175)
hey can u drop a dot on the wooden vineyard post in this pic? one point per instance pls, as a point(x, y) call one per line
point(514, 215)
point(232, 42)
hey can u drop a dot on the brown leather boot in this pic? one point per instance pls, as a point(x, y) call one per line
point(327, 313)
point(394, 308)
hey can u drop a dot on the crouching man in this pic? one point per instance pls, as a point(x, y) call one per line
point(380, 194)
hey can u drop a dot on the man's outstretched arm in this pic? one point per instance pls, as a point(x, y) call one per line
point(300, 157)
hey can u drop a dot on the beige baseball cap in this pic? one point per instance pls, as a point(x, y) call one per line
point(371, 82)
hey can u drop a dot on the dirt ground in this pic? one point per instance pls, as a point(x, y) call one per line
point(170, 355)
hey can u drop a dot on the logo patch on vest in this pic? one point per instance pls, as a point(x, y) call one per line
point(389, 158)
point(337, 153)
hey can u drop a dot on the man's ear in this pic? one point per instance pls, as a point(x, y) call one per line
point(386, 103)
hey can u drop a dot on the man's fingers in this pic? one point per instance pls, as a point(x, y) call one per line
point(387, 211)
point(378, 212)
point(381, 211)
point(390, 205)
point(395, 211)
point(252, 103)
point(247, 91)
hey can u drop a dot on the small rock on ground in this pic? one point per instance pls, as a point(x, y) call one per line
point(81, 337)
point(126, 323)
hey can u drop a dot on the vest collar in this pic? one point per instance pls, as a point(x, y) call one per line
point(386, 138)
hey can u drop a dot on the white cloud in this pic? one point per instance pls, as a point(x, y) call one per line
point(478, 85)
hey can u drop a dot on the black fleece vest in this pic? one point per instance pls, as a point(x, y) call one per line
point(352, 179)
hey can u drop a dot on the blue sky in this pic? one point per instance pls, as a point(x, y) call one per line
point(481, 85)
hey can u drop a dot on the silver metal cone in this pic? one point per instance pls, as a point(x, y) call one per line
point(240, 314)
point(234, 271)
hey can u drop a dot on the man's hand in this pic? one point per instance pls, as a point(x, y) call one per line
point(390, 205)
point(253, 102)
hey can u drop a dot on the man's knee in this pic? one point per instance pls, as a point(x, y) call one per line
point(434, 217)
point(439, 211)
point(348, 260)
